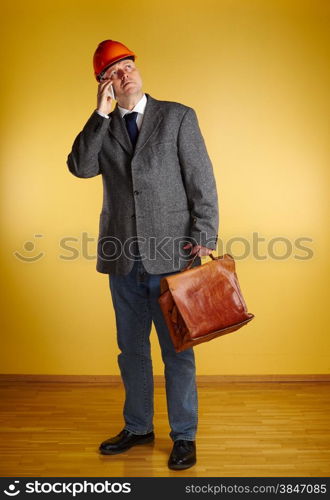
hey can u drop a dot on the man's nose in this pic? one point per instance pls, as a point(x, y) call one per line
point(122, 73)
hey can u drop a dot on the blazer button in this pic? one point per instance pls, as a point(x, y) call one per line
point(136, 192)
point(133, 216)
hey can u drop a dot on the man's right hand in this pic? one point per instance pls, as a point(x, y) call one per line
point(104, 101)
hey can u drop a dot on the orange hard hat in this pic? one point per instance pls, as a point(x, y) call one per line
point(108, 52)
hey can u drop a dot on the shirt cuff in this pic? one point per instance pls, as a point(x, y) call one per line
point(102, 114)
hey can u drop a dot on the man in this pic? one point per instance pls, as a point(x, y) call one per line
point(160, 207)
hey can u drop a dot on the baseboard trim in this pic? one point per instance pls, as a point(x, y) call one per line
point(159, 379)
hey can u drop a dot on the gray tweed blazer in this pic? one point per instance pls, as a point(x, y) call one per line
point(161, 194)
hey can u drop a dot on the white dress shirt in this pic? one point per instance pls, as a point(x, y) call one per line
point(139, 107)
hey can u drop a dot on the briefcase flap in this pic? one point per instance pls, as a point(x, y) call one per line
point(208, 297)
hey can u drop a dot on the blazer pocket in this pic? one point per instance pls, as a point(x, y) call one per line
point(163, 143)
point(178, 210)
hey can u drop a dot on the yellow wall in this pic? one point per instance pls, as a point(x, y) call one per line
point(256, 72)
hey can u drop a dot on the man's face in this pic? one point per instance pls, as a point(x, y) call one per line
point(125, 77)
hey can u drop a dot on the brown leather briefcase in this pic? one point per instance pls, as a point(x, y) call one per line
point(203, 302)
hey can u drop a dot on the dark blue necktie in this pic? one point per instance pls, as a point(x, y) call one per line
point(132, 129)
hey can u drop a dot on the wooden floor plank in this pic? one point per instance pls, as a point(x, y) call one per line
point(268, 429)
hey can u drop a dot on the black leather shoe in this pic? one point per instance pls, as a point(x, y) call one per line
point(123, 441)
point(183, 455)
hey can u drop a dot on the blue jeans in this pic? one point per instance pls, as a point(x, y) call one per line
point(135, 302)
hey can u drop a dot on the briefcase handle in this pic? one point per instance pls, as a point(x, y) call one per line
point(190, 263)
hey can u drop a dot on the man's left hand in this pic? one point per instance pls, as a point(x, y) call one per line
point(201, 251)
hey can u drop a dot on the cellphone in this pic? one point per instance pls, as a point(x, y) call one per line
point(111, 92)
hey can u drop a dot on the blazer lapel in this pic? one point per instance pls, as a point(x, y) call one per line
point(119, 131)
point(151, 120)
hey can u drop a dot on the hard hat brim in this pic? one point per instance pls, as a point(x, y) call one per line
point(120, 58)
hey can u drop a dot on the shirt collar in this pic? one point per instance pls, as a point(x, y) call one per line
point(139, 107)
